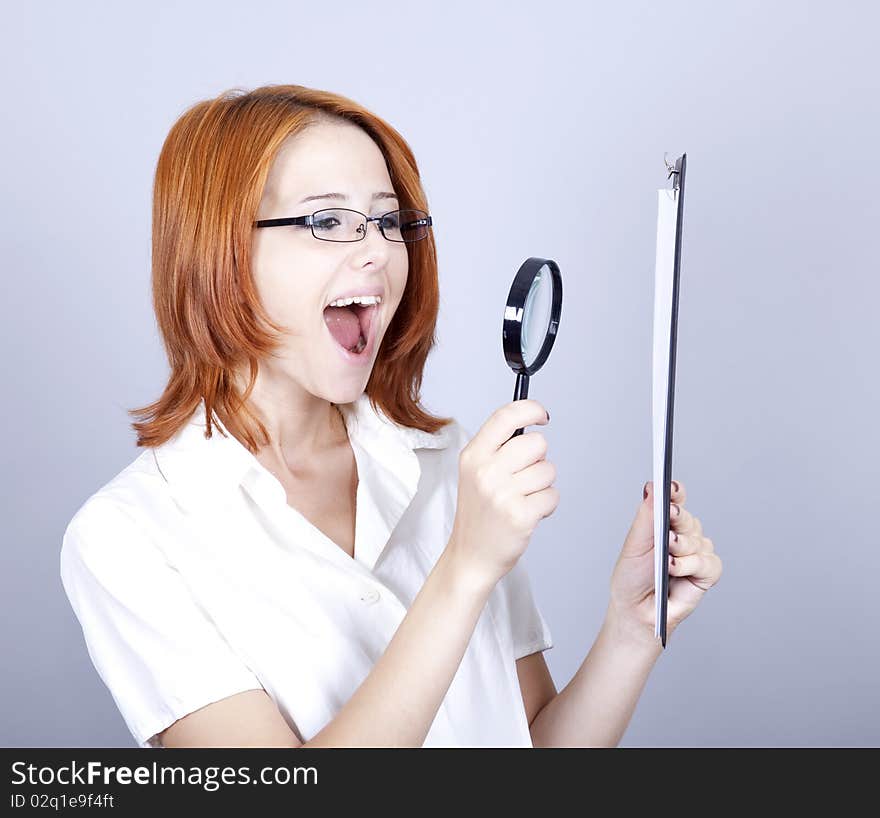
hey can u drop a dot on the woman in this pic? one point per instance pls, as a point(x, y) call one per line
point(302, 556)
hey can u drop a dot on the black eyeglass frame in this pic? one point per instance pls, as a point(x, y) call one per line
point(310, 222)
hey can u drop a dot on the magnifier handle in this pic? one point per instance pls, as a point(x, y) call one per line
point(520, 392)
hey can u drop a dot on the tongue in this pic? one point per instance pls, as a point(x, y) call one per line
point(343, 325)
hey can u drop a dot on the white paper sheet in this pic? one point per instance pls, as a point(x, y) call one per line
point(664, 271)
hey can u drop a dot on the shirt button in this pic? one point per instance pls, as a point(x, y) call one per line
point(369, 596)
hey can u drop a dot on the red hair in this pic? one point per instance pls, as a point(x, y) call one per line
point(207, 189)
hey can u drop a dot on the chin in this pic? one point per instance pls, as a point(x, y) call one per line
point(347, 393)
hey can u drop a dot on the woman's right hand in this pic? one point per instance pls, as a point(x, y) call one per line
point(504, 490)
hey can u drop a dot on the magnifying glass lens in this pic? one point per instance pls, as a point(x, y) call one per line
point(536, 315)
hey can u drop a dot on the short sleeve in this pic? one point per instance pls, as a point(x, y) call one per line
point(157, 652)
point(528, 627)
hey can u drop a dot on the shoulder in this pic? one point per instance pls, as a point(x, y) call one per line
point(113, 519)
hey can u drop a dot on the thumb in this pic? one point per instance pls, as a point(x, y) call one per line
point(641, 533)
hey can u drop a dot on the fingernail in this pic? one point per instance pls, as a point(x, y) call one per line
point(677, 508)
point(548, 415)
point(645, 492)
point(675, 485)
point(674, 537)
point(671, 560)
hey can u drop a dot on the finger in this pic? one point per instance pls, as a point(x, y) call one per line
point(683, 544)
point(640, 537)
point(676, 491)
point(535, 477)
point(504, 421)
point(682, 521)
point(702, 569)
point(542, 503)
point(521, 451)
point(679, 495)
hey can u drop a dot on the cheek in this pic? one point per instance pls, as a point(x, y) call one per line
point(399, 277)
point(288, 281)
point(294, 315)
point(289, 306)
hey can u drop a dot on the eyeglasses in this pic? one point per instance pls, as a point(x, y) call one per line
point(342, 224)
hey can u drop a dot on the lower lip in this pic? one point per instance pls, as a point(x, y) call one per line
point(366, 354)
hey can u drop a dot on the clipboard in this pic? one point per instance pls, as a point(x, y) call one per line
point(670, 214)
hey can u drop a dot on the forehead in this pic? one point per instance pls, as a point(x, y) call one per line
point(327, 156)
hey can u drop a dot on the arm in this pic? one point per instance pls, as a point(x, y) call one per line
point(396, 703)
point(535, 684)
point(595, 707)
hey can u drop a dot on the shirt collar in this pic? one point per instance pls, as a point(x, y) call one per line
point(207, 470)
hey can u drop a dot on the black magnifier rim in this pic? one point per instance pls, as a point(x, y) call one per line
point(511, 332)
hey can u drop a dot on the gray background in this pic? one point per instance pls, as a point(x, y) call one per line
point(551, 122)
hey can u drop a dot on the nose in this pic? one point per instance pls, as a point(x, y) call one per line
point(374, 243)
point(375, 224)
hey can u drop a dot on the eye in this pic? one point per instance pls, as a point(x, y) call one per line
point(326, 223)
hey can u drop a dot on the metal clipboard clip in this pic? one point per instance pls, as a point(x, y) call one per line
point(674, 170)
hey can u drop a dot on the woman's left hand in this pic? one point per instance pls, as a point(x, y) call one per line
point(695, 569)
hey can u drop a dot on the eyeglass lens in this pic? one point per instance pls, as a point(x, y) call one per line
point(339, 224)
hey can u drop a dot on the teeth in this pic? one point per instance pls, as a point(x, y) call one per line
point(358, 299)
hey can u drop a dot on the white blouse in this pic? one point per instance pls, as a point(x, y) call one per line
point(193, 579)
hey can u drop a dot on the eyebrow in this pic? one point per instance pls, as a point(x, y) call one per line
point(382, 195)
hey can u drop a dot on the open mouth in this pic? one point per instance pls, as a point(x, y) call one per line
point(351, 326)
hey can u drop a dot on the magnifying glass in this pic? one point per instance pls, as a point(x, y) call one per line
point(531, 321)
